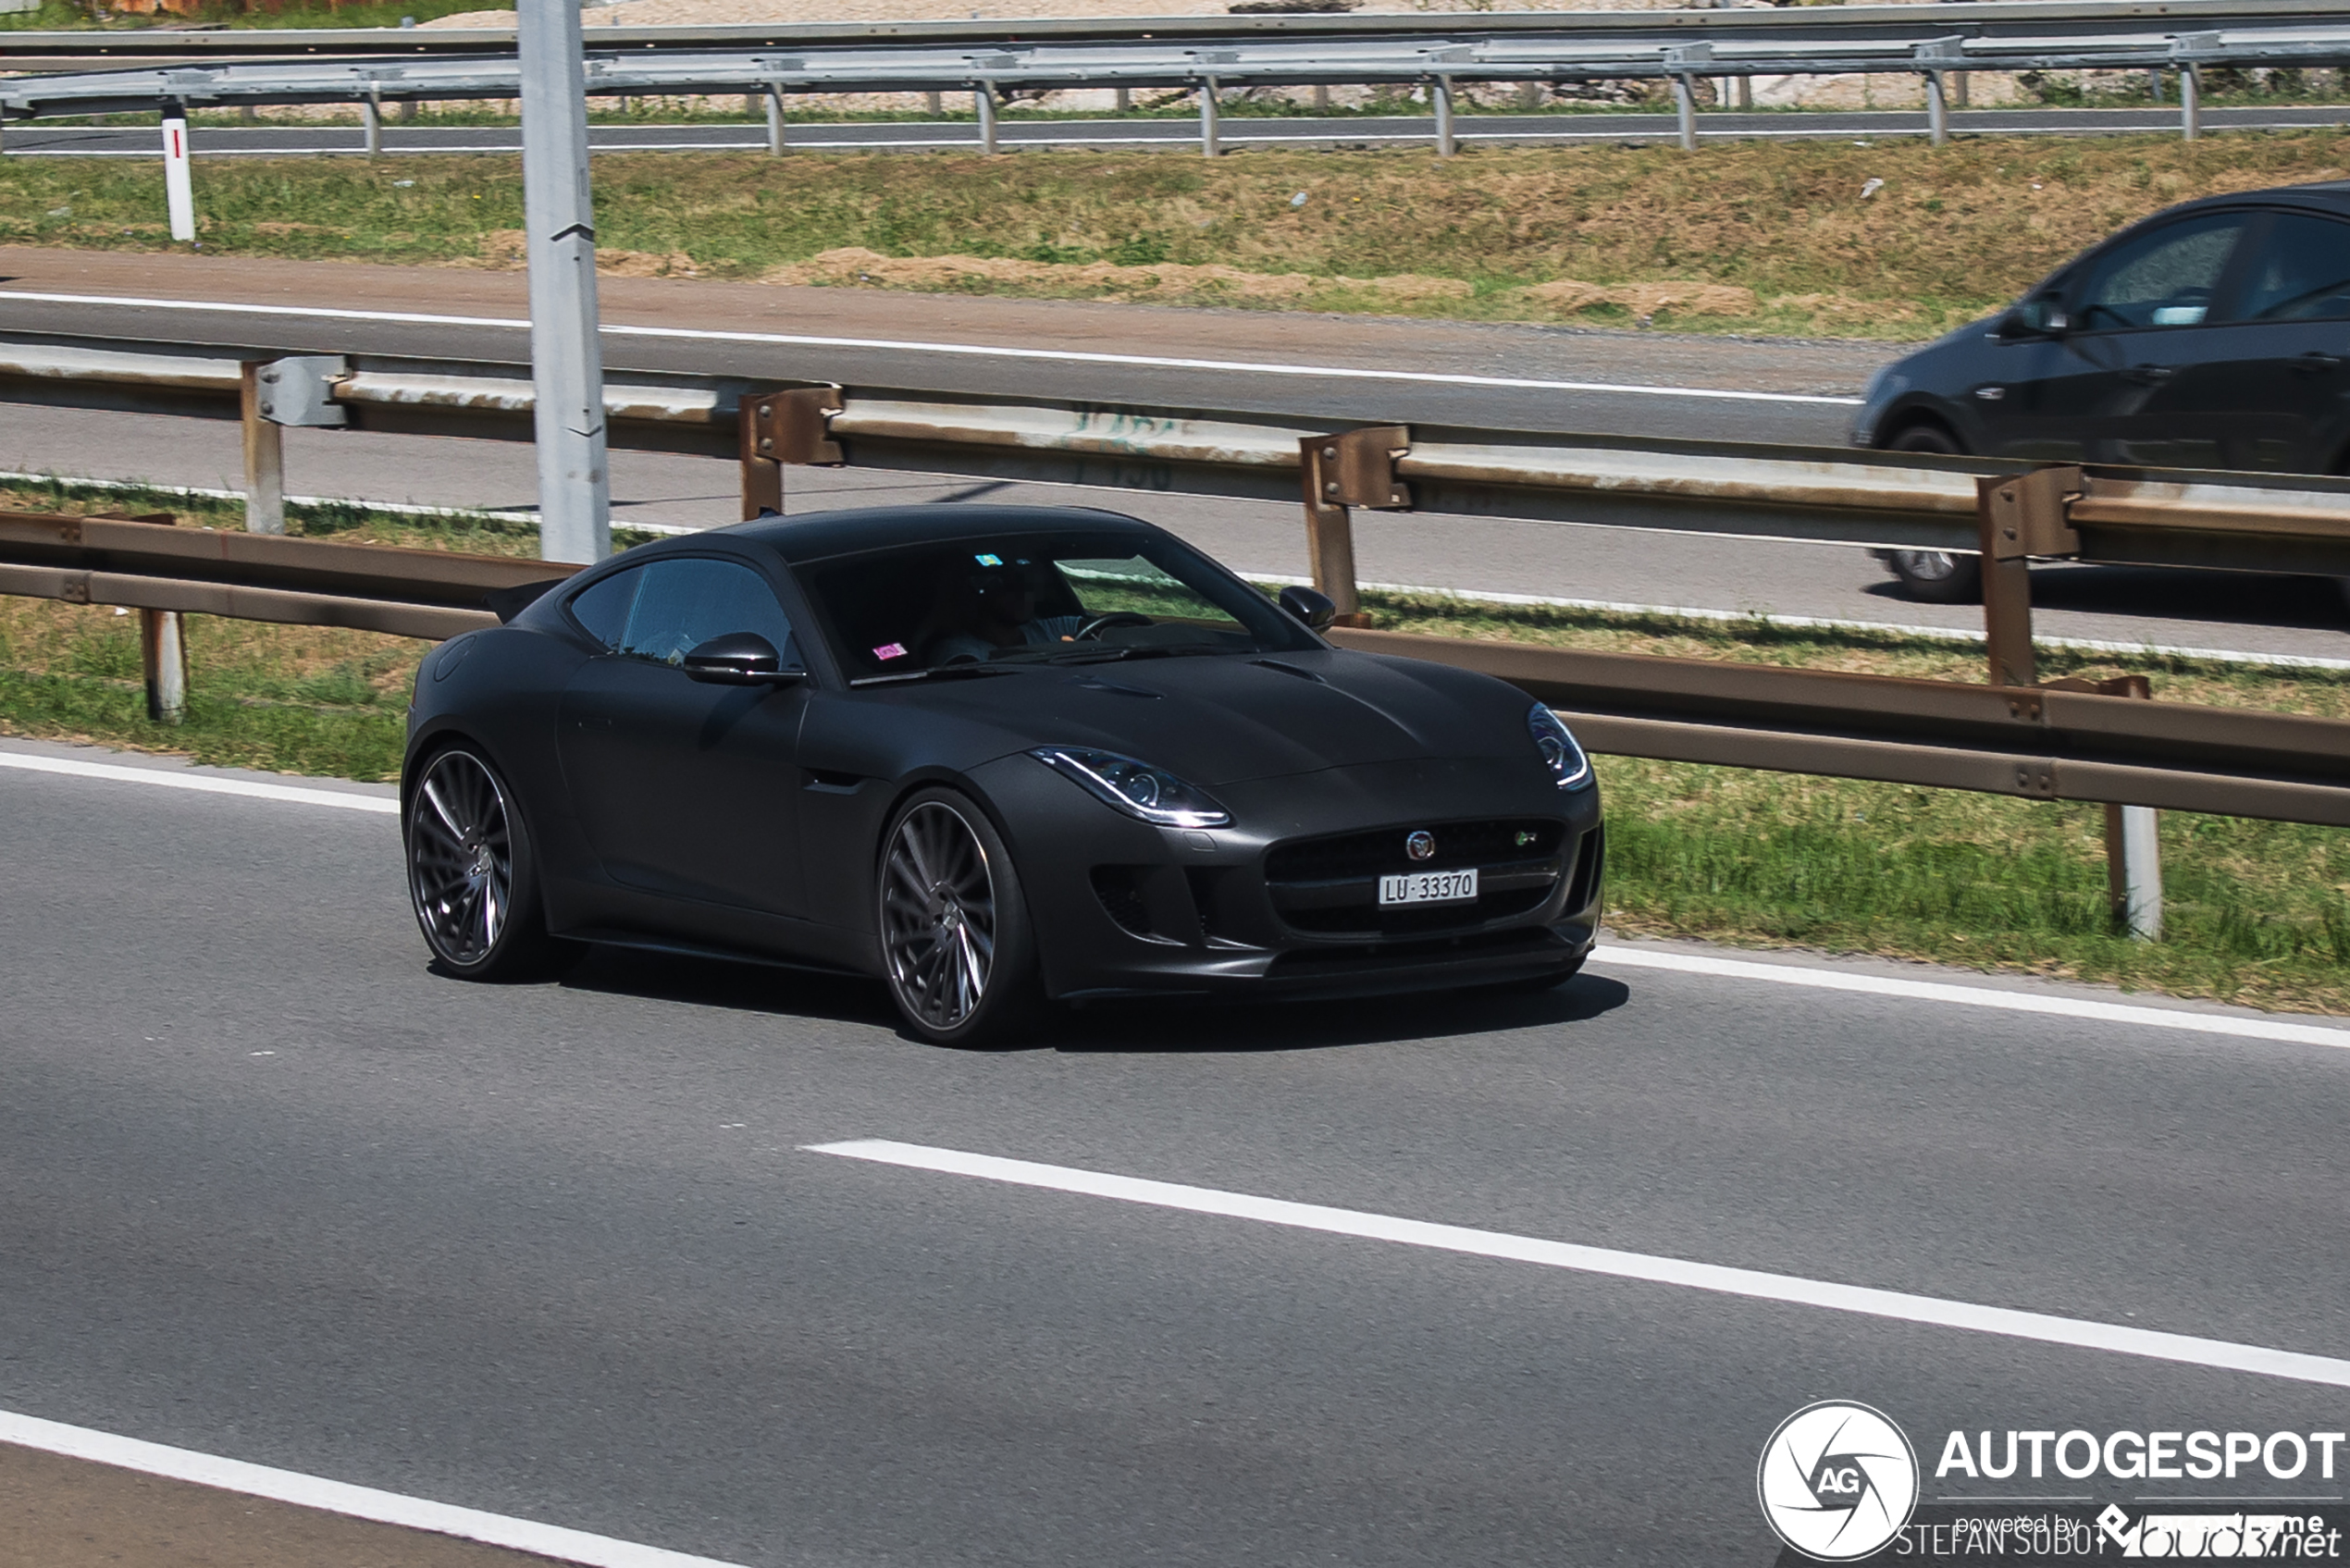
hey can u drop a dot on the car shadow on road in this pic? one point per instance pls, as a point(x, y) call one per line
point(1157, 1025)
point(1223, 1027)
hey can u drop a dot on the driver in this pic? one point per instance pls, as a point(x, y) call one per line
point(999, 607)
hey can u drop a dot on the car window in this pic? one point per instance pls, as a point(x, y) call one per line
point(679, 604)
point(2301, 272)
point(603, 607)
point(2165, 279)
point(1082, 597)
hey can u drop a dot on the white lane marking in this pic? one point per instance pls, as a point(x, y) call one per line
point(204, 784)
point(1754, 1284)
point(976, 351)
point(338, 1497)
point(1973, 997)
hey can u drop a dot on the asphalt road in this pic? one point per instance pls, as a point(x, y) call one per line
point(1234, 133)
point(1337, 367)
point(270, 1189)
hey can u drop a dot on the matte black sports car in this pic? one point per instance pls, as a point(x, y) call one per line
point(993, 755)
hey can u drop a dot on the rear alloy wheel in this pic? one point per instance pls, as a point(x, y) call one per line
point(1933, 577)
point(957, 947)
point(472, 874)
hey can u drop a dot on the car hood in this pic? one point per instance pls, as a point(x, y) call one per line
point(1220, 720)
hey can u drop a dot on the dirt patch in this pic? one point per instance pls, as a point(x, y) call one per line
point(854, 266)
point(508, 249)
point(1568, 297)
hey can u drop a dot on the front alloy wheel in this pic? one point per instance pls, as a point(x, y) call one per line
point(470, 872)
point(955, 943)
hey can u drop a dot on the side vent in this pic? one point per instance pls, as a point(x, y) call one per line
point(1121, 894)
point(1590, 857)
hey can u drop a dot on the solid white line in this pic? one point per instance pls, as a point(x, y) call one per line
point(338, 1497)
point(1623, 957)
point(204, 784)
point(1753, 1284)
point(978, 351)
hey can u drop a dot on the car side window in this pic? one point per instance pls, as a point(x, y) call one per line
point(686, 600)
point(603, 608)
point(2165, 279)
point(2301, 272)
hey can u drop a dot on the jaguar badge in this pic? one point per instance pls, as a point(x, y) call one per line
point(1420, 845)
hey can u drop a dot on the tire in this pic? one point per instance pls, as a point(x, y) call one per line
point(1933, 577)
point(959, 950)
point(472, 874)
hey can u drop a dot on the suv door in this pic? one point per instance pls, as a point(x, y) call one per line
point(2273, 374)
point(2138, 313)
point(685, 788)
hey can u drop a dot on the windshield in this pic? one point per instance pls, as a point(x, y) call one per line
point(1013, 598)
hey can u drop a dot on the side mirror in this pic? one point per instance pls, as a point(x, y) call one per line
point(1309, 605)
point(2041, 317)
point(740, 658)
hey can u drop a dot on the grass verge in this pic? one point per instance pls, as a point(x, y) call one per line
point(2258, 912)
point(1749, 237)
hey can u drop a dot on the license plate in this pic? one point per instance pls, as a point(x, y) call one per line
point(1428, 887)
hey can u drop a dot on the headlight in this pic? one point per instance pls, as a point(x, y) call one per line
point(1137, 788)
point(1568, 766)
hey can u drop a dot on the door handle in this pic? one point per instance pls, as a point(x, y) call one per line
point(2148, 374)
point(2317, 362)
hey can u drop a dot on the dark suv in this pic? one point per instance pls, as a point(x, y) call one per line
point(2214, 335)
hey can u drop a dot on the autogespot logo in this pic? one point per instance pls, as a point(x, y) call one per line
point(1837, 1480)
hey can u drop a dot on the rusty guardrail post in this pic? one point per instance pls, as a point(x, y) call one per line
point(264, 442)
point(1353, 468)
point(779, 427)
point(2018, 518)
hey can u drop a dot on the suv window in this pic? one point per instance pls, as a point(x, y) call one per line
point(665, 609)
point(2301, 272)
point(2165, 279)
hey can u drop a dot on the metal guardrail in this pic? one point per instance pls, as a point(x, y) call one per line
point(1899, 24)
point(1625, 46)
point(2032, 741)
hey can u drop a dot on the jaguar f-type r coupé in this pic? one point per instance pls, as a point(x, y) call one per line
point(993, 756)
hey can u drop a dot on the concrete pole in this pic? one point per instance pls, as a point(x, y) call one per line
point(1208, 146)
point(984, 100)
point(1745, 93)
point(1125, 99)
point(1439, 97)
point(2134, 869)
point(1937, 109)
point(774, 121)
point(178, 194)
point(163, 651)
point(1685, 110)
point(2189, 101)
point(1958, 90)
point(934, 103)
point(265, 454)
point(566, 358)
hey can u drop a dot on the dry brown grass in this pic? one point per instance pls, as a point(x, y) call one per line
point(1739, 236)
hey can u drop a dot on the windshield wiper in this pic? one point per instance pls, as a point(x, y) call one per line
point(1116, 653)
point(935, 672)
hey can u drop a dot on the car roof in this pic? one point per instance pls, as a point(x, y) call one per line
point(2328, 196)
point(817, 535)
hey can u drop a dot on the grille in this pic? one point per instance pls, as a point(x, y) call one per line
point(1329, 886)
point(1381, 853)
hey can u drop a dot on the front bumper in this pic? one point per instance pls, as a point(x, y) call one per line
point(1284, 900)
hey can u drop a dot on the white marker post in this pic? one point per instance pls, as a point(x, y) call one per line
point(567, 365)
point(178, 195)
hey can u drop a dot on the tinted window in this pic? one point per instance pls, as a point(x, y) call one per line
point(603, 609)
point(686, 601)
point(1025, 599)
point(2301, 273)
point(2164, 279)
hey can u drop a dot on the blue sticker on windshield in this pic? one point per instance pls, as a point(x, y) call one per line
point(989, 560)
